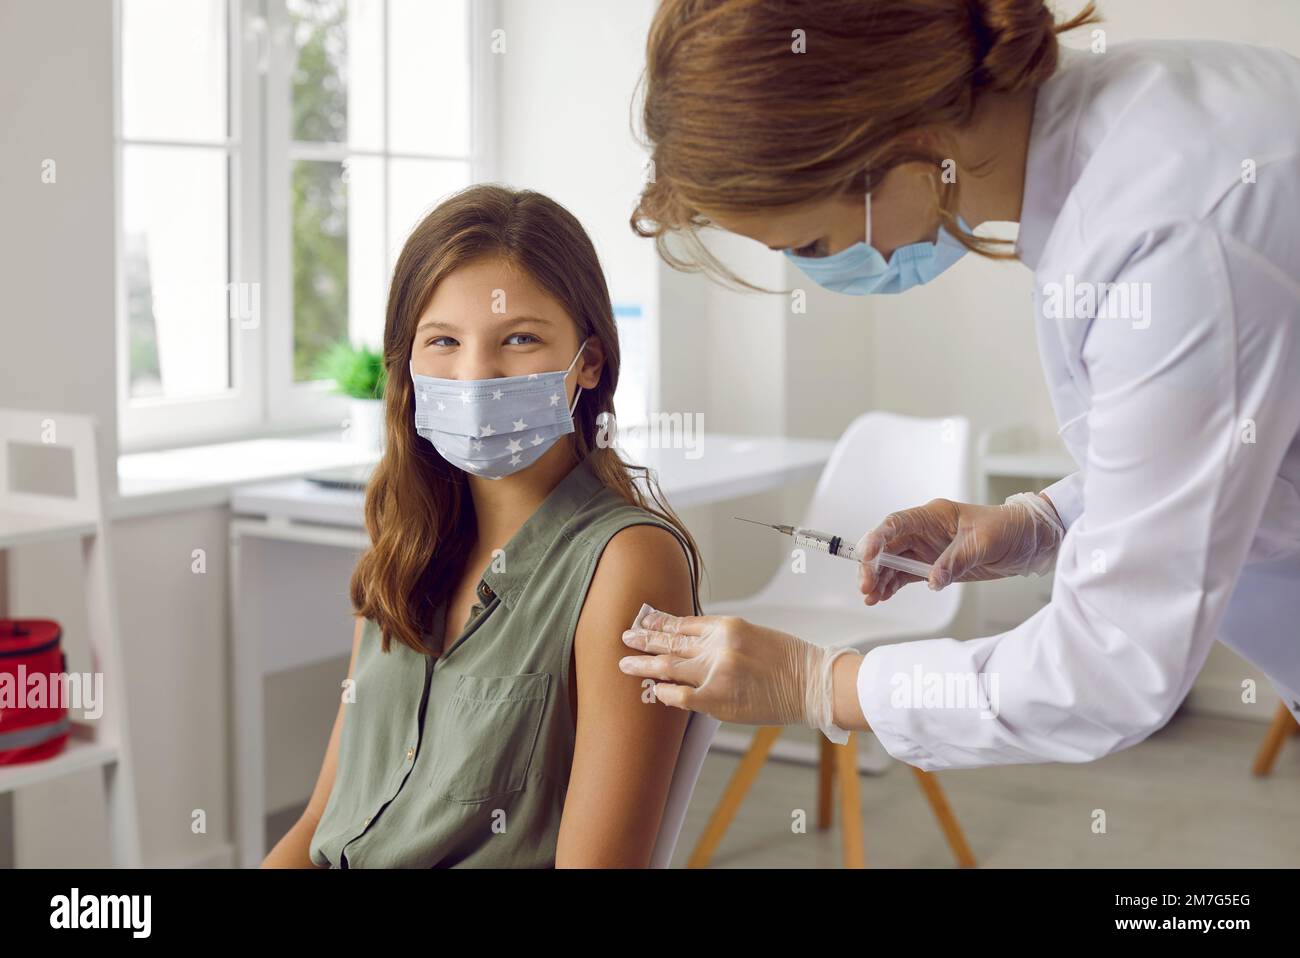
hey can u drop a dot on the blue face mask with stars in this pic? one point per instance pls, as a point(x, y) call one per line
point(494, 427)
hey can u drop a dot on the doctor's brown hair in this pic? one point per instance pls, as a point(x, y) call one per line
point(738, 121)
point(419, 512)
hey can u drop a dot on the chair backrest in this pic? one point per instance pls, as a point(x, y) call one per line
point(882, 463)
point(690, 759)
point(700, 729)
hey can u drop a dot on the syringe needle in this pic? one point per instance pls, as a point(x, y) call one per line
point(786, 530)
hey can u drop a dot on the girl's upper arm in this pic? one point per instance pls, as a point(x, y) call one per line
point(626, 747)
point(325, 781)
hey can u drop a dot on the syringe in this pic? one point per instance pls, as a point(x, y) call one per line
point(841, 547)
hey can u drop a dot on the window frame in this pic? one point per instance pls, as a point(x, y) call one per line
point(263, 400)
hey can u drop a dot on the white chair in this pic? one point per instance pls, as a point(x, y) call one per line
point(690, 759)
point(882, 463)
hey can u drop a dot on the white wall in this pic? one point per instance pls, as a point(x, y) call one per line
point(565, 89)
point(746, 362)
point(56, 239)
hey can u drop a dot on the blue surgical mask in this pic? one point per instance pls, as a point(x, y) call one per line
point(494, 427)
point(861, 269)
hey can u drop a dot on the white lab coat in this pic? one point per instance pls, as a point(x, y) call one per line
point(1183, 517)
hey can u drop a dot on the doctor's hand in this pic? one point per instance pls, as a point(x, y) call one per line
point(964, 542)
point(734, 670)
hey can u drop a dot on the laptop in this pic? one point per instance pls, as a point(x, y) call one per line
point(351, 478)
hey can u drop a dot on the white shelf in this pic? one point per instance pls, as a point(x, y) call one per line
point(18, 529)
point(1042, 464)
point(80, 752)
point(38, 515)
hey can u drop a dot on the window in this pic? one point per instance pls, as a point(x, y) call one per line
point(273, 156)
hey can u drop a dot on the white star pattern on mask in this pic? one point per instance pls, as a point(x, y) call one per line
point(437, 421)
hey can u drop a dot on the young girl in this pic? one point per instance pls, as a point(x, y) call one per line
point(488, 723)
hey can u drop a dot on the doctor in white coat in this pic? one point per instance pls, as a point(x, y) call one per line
point(1157, 190)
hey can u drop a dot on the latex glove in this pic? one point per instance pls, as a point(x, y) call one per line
point(735, 671)
point(964, 542)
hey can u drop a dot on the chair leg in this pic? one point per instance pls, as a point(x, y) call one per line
point(943, 813)
point(1283, 725)
point(825, 783)
point(741, 779)
point(846, 762)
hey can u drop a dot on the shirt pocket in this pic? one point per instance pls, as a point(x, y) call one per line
point(489, 730)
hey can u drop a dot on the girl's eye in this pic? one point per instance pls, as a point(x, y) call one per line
point(528, 336)
point(441, 341)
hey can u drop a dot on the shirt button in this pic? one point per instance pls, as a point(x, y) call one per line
point(366, 823)
point(410, 754)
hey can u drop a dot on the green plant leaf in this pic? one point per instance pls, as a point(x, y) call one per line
point(357, 371)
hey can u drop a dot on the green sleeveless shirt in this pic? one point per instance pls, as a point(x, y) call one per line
point(463, 759)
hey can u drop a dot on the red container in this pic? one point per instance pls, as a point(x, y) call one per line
point(27, 734)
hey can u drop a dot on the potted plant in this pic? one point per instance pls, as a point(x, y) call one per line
point(358, 373)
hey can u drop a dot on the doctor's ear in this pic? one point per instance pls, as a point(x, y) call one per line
point(590, 363)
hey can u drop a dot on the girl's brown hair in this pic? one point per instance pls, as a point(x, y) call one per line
point(737, 120)
point(419, 513)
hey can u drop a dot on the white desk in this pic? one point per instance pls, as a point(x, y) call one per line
point(293, 544)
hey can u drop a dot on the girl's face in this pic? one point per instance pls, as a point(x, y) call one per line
point(489, 319)
point(902, 212)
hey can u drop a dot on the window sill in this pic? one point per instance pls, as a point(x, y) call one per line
point(195, 477)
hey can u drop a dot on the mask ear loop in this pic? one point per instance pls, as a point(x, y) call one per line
point(868, 184)
point(415, 387)
point(577, 392)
